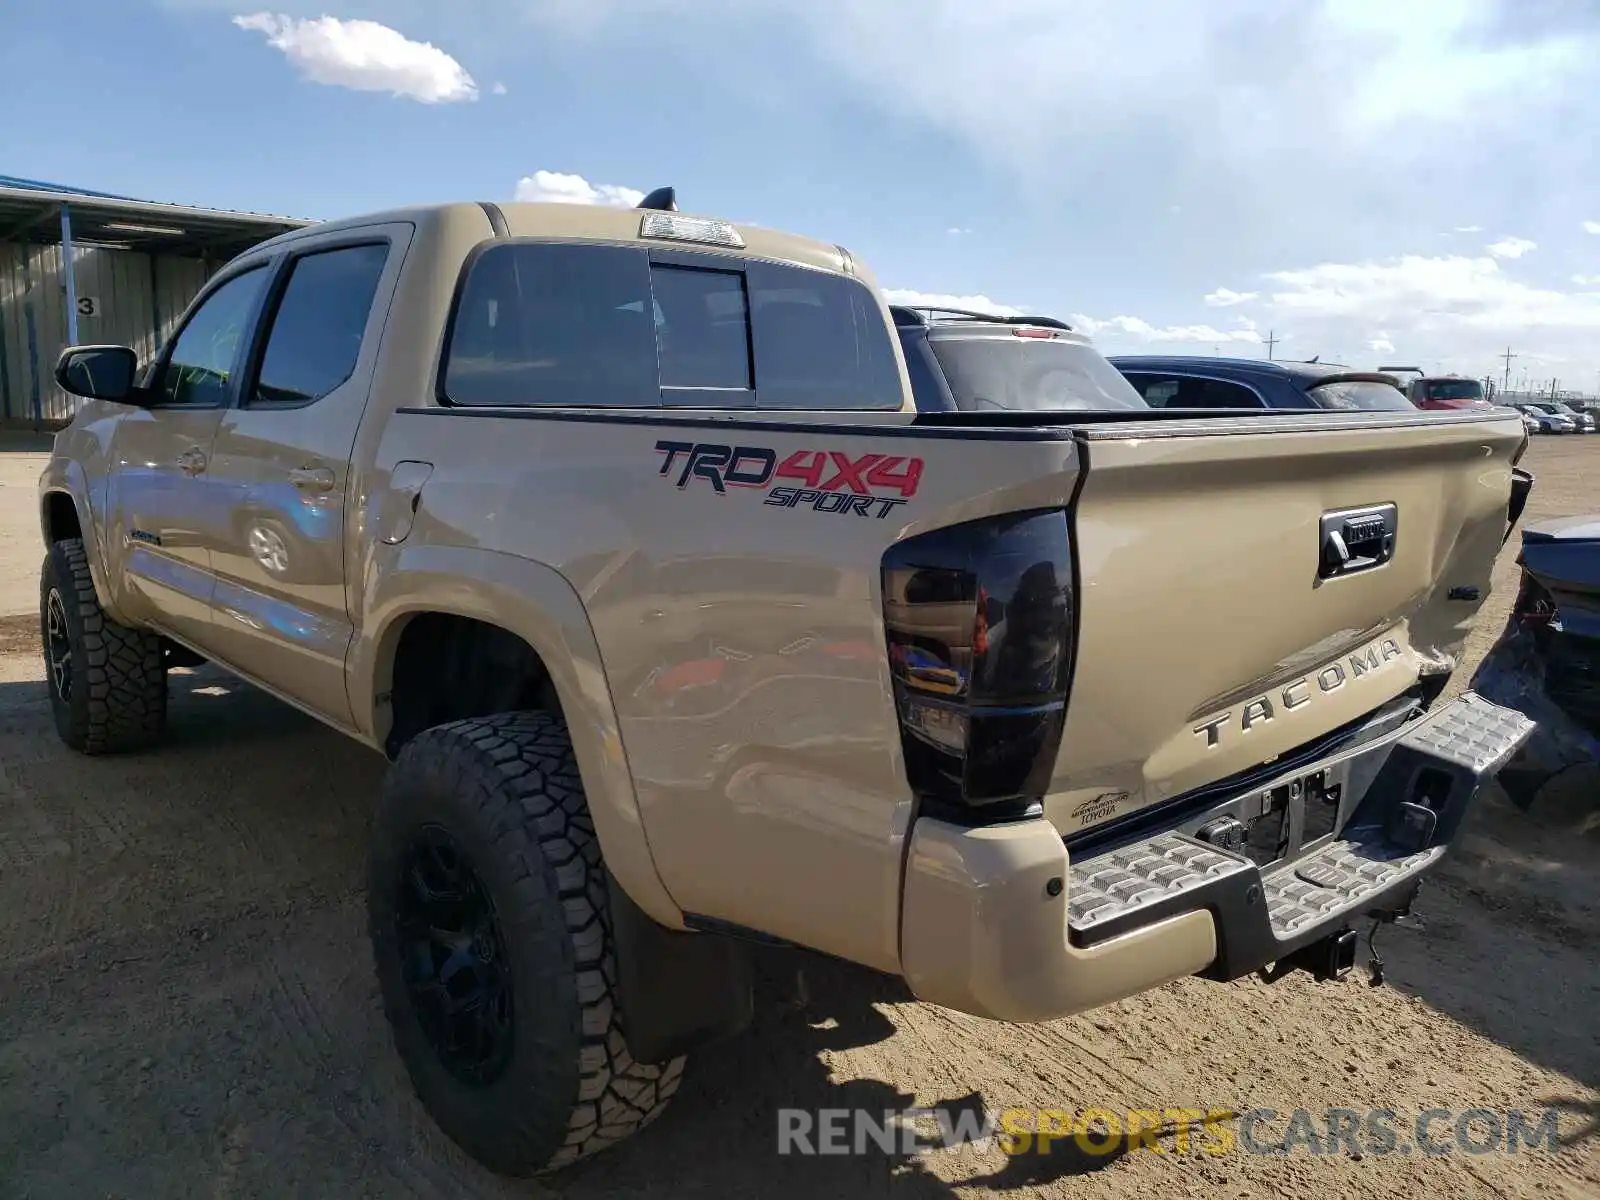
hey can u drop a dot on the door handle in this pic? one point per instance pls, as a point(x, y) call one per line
point(192, 461)
point(312, 479)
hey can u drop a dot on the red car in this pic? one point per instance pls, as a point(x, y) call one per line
point(1447, 392)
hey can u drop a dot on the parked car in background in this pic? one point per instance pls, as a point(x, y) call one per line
point(963, 361)
point(1446, 392)
point(1199, 382)
point(1582, 417)
point(1551, 417)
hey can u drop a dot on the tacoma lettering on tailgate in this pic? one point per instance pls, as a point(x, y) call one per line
point(1297, 693)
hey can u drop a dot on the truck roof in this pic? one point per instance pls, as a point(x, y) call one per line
point(1300, 372)
point(598, 223)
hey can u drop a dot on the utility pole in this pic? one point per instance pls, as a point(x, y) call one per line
point(1272, 340)
point(1508, 356)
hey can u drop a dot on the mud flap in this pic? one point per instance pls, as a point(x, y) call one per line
point(680, 992)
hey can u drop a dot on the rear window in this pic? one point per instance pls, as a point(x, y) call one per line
point(604, 326)
point(1352, 394)
point(1454, 389)
point(1018, 374)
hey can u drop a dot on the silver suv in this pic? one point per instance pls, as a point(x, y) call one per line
point(963, 361)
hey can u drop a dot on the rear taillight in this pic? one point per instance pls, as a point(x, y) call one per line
point(979, 619)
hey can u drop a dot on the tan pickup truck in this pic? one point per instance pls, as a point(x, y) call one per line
point(618, 532)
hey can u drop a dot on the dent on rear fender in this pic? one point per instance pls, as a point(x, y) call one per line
point(537, 604)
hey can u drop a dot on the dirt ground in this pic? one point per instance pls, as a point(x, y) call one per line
point(187, 1009)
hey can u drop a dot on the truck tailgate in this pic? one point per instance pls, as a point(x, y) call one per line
point(1217, 630)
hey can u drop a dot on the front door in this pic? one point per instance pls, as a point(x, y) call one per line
point(280, 468)
point(160, 525)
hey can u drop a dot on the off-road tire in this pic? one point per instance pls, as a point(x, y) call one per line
point(506, 790)
point(116, 677)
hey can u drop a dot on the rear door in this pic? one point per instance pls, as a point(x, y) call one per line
point(280, 466)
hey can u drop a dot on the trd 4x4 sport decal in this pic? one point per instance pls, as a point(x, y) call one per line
point(828, 481)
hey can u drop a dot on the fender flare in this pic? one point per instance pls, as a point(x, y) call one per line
point(66, 477)
point(539, 605)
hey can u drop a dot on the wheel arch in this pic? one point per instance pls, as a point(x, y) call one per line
point(65, 512)
point(538, 606)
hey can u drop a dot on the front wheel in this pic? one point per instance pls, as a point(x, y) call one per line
point(108, 683)
point(491, 934)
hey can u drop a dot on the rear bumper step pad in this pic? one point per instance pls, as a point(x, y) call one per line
point(1422, 782)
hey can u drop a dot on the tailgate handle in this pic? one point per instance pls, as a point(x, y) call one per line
point(1357, 539)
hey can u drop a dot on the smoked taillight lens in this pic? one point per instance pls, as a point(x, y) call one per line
point(979, 620)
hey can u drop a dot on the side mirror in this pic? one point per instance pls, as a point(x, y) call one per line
point(98, 372)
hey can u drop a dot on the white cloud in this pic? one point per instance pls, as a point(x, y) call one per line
point(1591, 226)
point(1126, 328)
point(1469, 228)
point(1431, 293)
point(499, 89)
point(957, 231)
point(1238, 77)
point(364, 56)
point(552, 187)
point(1227, 297)
point(1512, 247)
point(1454, 311)
point(982, 304)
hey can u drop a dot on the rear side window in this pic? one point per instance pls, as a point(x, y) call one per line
point(316, 333)
point(603, 326)
point(925, 388)
point(1183, 391)
point(558, 325)
point(1352, 394)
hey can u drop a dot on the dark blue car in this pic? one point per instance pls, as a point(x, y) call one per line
point(1181, 381)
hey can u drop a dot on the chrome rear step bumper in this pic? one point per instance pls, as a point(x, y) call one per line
point(1006, 922)
point(1420, 784)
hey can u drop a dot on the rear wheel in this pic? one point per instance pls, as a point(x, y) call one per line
point(491, 934)
point(108, 683)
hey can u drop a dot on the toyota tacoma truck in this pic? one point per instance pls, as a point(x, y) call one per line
point(619, 534)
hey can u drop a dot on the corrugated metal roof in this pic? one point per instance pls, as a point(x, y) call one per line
point(29, 212)
point(35, 185)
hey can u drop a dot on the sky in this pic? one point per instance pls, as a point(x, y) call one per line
point(1375, 182)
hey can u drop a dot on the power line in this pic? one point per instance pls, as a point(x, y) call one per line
point(1272, 340)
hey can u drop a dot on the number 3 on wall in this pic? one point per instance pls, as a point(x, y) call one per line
point(88, 306)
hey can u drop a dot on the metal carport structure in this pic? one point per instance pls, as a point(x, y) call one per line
point(135, 266)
